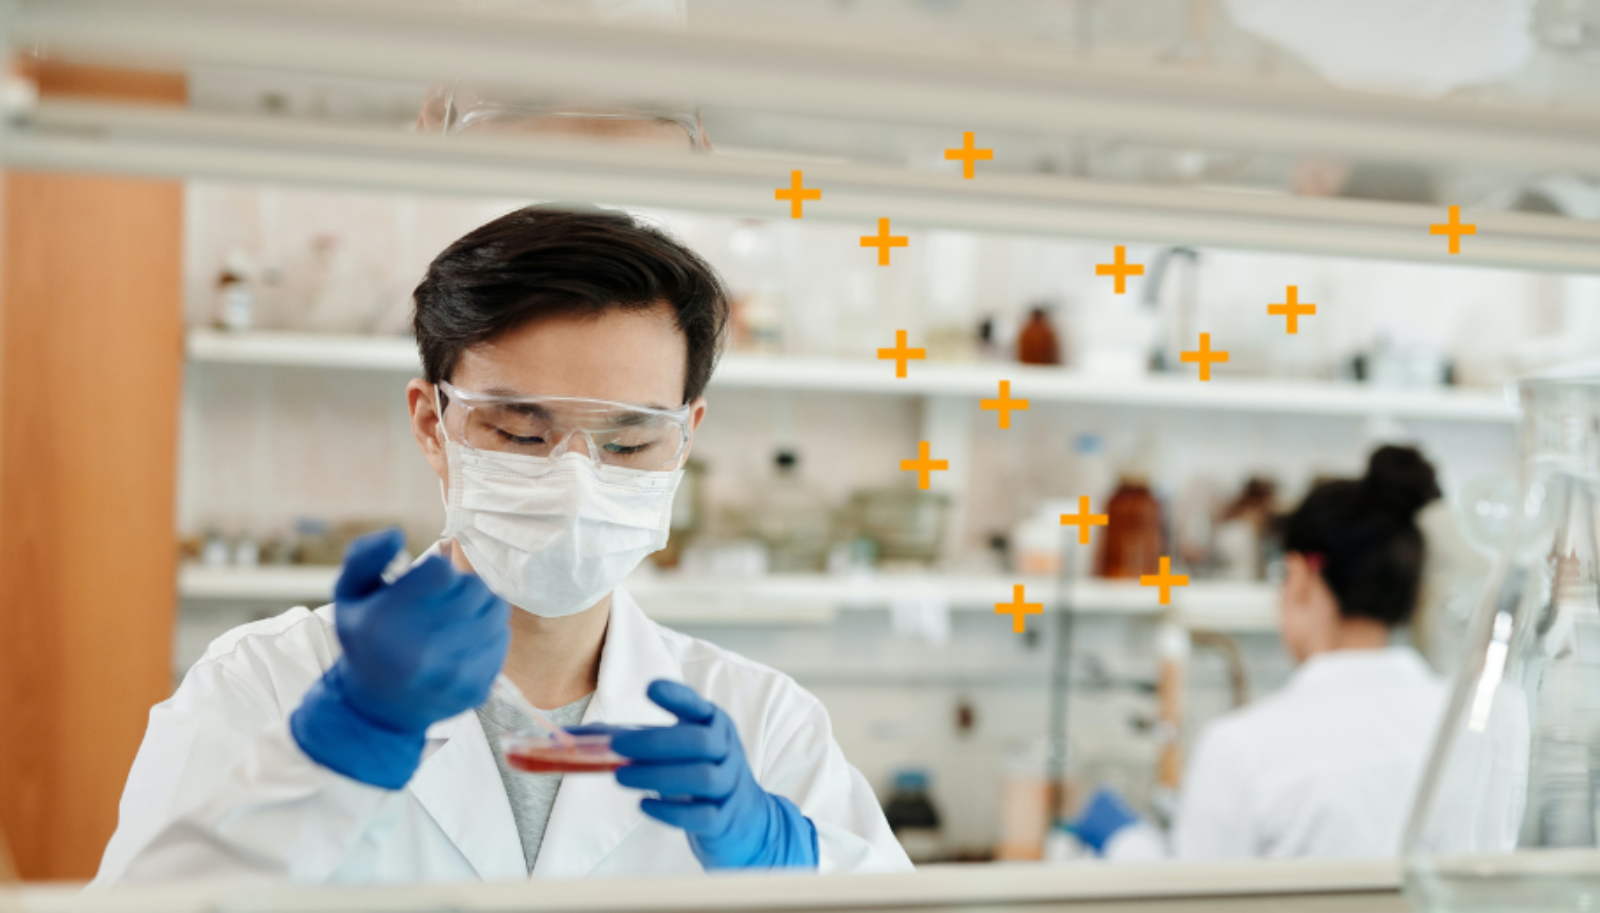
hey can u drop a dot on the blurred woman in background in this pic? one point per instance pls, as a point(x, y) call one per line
point(1327, 767)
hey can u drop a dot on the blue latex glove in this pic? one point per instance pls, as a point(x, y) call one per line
point(1102, 818)
point(416, 651)
point(698, 769)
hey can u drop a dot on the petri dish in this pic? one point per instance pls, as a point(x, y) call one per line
point(542, 754)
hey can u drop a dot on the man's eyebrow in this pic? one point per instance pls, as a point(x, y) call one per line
point(507, 391)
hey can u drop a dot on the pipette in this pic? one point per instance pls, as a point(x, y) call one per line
point(507, 690)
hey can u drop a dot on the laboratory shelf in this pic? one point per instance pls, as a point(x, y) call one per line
point(808, 598)
point(751, 372)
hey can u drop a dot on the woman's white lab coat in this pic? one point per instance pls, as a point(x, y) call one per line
point(1325, 768)
point(220, 789)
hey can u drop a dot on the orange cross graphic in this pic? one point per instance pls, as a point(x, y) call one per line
point(900, 354)
point(1166, 580)
point(1018, 610)
point(1204, 356)
point(796, 194)
point(968, 155)
point(1004, 404)
point(1084, 520)
point(883, 241)
point(1454, 228)
point(1293, 309)
point(922, 465)
point(1120, 269)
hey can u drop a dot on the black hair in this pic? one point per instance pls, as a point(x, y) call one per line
point(550, 259)
point(1365, 532)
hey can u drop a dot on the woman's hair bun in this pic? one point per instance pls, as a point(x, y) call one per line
point(1399, 479)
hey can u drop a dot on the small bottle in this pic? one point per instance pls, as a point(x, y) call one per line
point(1132, 545)
point(913, 817)
point(794, 520)
point(235, 308)
point(1037, 343)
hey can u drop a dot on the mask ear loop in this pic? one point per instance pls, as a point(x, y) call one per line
point(438, 408)
point(446, 544)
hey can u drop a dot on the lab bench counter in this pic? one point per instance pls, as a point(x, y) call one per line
point(1301, 887)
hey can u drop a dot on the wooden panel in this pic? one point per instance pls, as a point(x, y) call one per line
point(91, 360)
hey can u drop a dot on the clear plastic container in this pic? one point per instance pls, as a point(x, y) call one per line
point(544, 754)
point(1508, 813)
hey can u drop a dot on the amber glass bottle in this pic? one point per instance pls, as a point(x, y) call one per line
point(1132, 544)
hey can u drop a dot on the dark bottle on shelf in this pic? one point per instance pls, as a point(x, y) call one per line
point(1133, 542)
point(1037, 343)
point(912, 817)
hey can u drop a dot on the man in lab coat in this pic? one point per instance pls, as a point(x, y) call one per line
point(565, 354)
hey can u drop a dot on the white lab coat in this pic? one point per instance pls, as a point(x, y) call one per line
point(220, 789)
point(1325, 768)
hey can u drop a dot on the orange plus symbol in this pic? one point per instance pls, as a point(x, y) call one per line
point(1454, 228)
point(796, 194)
point(900, 354)
point(1084, 520)
point(1120, 269)
point(1166, 580)
point(922, 465)
point(883, 241)
point(1004, 404)
point(1293, 309)
point(968, 155)
point(1204, 356)
point(1018, 609)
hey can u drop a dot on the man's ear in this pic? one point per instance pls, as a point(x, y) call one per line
point(425, 425)
point(697, 414)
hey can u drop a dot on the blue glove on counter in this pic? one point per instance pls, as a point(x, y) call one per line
point(698, 769)
point(1102, 818)
point(416, 651)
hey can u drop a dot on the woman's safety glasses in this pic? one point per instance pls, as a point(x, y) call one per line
point(610, 433)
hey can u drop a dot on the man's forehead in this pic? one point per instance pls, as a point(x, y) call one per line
point(621, 355)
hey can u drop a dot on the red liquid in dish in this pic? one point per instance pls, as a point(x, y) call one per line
point(551, 758)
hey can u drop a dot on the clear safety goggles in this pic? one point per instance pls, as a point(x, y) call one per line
point(609, 433)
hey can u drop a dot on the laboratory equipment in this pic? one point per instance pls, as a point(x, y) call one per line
point(794, 520)
point(1038, 344)
point(466, 107)
point(906, 523)
point(913, 817)
point(1133, 541)
point(613, 434)
point(1508, 813)
point(560, 753)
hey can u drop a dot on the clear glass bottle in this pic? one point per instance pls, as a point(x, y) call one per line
point(794, 519)
point(1508, 813)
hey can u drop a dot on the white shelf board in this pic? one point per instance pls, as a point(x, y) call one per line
point(304, 350)
point(184, 143)
point(959, 83)
point(807, 598)
point(1294, 397)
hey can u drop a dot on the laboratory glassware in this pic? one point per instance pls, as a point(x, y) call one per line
point(1133, 542)
point(580, 754)
point(1507, 815)
point(794, 519)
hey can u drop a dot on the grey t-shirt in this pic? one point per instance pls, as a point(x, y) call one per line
point(532, 795)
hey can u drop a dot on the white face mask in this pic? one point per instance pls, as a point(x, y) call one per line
point(554, 535)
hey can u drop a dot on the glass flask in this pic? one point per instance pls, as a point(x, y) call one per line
point(1508, 810)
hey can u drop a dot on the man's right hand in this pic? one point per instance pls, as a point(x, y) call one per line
point(416, 651)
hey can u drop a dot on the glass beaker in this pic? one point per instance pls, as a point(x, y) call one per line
point(1508, 813)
